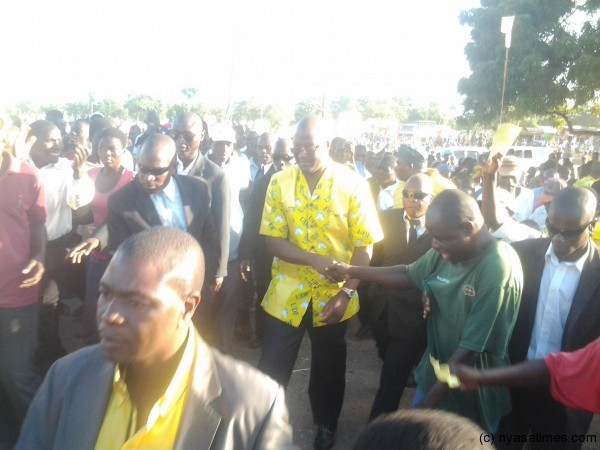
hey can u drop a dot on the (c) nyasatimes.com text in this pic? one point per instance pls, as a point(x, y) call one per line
point(537, 438)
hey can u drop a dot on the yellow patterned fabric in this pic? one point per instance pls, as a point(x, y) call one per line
point(334, 219)
point(119, 428)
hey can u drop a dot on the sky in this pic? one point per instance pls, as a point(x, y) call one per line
point(274, 51)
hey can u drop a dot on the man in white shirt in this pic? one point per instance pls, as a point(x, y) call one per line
point(498, 207)
point(559, 312)
point(67, 188)
point(385, 174)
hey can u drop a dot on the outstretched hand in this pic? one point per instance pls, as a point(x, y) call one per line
point(337, 272)
point(468, 376)
point(492, 165)
point(83, 249)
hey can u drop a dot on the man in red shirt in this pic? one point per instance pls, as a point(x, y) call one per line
point(22, 252)
point(572, 376)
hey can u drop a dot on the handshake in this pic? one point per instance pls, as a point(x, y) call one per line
point(336, 272)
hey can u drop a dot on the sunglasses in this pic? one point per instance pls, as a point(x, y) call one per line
point(154, 171)
point(310, 150)
point(552, 230)
point(187, 136)
point(415, 195)
point(286, 158)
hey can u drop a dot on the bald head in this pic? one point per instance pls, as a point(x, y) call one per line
point(574, 204)
point(158, 146)
point(455, 208)
point(188, 121)
point(420, 182)
point(316, 127)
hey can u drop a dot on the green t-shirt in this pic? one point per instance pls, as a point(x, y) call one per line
point(473, 306)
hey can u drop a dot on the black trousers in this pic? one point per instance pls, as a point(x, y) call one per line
point(400, 350)
point(61, 280)
point(327, 383)
point(535, 411)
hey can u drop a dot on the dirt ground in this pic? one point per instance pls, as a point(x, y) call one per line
point(362, 379)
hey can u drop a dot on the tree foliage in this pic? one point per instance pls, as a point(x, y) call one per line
point(553, 61)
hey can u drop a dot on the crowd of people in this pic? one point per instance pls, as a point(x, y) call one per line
point(177, 241)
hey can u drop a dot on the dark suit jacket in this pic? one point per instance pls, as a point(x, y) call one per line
point(405, 309)
point(581, 328)
point(220, 411)
point(583, 321)
point(252, 244)
point(220, 204)
point(130, 210)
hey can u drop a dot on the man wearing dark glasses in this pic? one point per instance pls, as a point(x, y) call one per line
point(559, 311)
point(158, 198)
point(188, 134)
point(400, 330)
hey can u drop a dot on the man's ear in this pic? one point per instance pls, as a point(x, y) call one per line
point(468, 228)
point(191, 303)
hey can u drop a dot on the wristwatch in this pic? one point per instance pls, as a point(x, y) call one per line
point(349, 292)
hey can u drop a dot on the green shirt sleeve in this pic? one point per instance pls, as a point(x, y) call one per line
point(490, 321)
point(420, 270)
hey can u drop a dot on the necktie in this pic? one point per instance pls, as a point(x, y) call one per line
point(412, 230)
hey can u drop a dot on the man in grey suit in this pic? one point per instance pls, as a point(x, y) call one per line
point(152, 381)
point(188, 134)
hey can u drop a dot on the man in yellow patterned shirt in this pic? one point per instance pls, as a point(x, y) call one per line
point(316, 212)
point(152, 383)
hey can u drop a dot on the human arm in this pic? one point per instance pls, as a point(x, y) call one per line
point(489, 207)
point(335, 308)
point(391, 276)
point(35, 267)
point(285, 250)
point(525, 374)
point(80, 188)
point(221, 209)
point(439, 391)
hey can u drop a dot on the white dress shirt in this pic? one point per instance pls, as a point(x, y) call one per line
point(169, 206)
point(420, 227)
point(186, 170)
point(237, 172)
point(63, 194)
point(557, 289)
point(385, 198)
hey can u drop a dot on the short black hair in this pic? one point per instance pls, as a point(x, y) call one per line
point(41, 128)
point(113, 132)
point(99, 124)
point(174, 252)
point(421, 429)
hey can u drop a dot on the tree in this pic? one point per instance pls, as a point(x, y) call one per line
point(310, 107)
point(111, 108)
point(77, 110)
point(553, 60)
point(342, 105)
point(246, 110)
point(189, 93)
point(139, 105)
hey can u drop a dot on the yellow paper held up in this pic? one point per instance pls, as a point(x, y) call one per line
point(505, 135)
point(442, 373)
